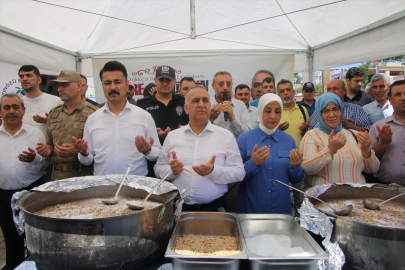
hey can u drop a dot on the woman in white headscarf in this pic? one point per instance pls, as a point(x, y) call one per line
point(268, 154)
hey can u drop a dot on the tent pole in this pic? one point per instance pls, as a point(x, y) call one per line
point(310, 55)
point(78, 62)
point(192, 19)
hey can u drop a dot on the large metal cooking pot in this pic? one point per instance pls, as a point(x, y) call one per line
point(123, 242)
point(367, 246)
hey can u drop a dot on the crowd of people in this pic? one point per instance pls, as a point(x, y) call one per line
point(226, 150)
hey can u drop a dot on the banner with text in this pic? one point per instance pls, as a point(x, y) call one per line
point(141, 69)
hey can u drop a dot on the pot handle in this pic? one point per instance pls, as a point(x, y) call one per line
point(18, 215)
point(179, 204)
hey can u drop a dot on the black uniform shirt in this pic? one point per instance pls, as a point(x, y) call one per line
point(172, 115)
point(361, 98)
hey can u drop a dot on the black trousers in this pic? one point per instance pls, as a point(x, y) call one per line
point(14, 243)
point(217, 205)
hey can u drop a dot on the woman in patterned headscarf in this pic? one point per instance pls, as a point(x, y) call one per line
point(333, 154)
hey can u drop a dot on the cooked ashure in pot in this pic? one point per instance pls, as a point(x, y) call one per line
point(391, 214)
point(92, 208)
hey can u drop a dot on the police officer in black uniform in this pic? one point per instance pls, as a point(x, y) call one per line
point(166, 107)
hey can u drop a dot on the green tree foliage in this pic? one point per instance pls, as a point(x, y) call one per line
point(299, 78)
point(319, 88)
point(364, 67)
point(399, 58)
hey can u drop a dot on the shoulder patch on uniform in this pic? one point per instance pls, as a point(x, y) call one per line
point(57, 106)
point(54, 113)
point(179, 110)
point(94, 107)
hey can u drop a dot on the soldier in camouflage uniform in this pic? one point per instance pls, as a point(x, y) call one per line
point(64, 125)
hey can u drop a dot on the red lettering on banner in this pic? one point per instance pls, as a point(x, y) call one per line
point(139, 89)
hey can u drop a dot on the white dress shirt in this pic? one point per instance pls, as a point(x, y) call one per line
point(111, 140)
point(242, 120)
point(193, 150)
point(15, 174)
point(39, 105)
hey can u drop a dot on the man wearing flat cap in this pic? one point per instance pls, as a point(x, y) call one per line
point(65, 124)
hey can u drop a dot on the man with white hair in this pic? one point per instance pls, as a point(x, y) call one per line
point(230, 114)
point(201, 157)
point(380, 108)
point(20, 169)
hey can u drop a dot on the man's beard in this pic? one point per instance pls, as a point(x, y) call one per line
point(29, 89)
point(355, 89)
point(288, 102)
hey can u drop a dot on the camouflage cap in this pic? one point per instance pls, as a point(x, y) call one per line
point(66, 76)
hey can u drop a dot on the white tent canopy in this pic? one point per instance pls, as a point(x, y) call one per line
point(54, 34)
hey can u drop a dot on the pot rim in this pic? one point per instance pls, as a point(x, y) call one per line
point(30, 193)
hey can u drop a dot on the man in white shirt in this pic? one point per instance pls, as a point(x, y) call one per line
point(20, 168)
point(114, 136)
point(202, 158)
point(231, 115)
point(242, 93)
point(37, 104)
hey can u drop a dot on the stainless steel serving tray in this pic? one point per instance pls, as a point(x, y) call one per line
point(255, 224)
point(206, 224)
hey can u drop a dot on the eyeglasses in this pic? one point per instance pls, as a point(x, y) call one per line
point(327, 111)
point(309, 90)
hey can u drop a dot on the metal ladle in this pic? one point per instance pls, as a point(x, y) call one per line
point(135, 205)
point(370, 205)
point(115, 200)
point(344, 211)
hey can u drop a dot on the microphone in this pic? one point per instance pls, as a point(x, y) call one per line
point(225, 98)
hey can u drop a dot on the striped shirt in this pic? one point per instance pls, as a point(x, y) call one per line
point(346, 165)
point(354, 113)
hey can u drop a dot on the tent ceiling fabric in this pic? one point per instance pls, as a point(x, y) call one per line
point(97, 27)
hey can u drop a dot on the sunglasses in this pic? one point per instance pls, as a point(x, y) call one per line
point(309, 90)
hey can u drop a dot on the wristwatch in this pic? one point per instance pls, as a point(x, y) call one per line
point(147, 153)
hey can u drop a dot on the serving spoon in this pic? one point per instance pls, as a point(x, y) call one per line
point(115, 200)
point(344, 211)
point(370, 205)
point(134, 205)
